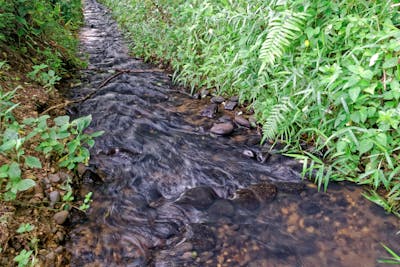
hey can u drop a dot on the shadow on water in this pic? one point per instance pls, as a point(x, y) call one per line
point(169, 193)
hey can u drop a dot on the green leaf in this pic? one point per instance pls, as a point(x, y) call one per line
point(24, 184)
point(4, 171)
point(365, 146)
point(97, 134)
point(10, 144)
point(82, 123)
point(33, 162)
point(72, 146)
point(354, 93)
point(62, 120)
point(390, 63)
point(14, 172)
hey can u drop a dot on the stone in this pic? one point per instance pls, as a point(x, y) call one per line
point(253, 121)
point(200, 197)
point(225, 118)
point(187, 255)
point(265, 192)
point(54, 197)
point(230, 105)
point(248, 153)
point(222, 128)
point(209, 111)
point(217, 99)
point(222, 207)
point(204, 93)
point(61, 216)
point(54, 178)
point(234, 98)
point(245, 198)
point(196, 96)
point(242, 121)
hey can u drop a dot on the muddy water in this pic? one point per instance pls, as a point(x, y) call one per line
point(169, 193)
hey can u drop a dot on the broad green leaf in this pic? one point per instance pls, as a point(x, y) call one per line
point(10, 144)
point(24, 184)
point(14, 172)
point(33, 162)
point(390, 63)
point(365, 146)
point(97, 134)
point(4, 171)
point(354, 93)
point(373, 59)
point(62, 120)
point(82, 123)
point(72, 146)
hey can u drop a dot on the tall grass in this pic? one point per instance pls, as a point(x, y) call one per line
point(322, 76)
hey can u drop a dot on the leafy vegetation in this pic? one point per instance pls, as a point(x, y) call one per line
point(42, 31)
point(322, 76)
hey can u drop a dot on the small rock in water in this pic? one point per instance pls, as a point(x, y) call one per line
point(248, 153)
point(242, 121)
point(222, 207)
point(61, 216)
point(217, 99)
point(247, 199)
point(187, 255)
point(222, 128)
point(230, 105)
point(200, 197)
point(264, 191)
point(210, 111)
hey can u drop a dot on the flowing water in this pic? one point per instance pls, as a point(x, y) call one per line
point(169, 193)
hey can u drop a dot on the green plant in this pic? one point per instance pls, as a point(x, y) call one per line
point(24, 257)
point(394, 259)
point(86, 202)
point(25, 228)
point(321, 76)
point(46, 78)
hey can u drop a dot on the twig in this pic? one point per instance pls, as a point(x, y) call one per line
point(104, 83)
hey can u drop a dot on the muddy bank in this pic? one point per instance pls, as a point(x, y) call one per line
point(171, 189)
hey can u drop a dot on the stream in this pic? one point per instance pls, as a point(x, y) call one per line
point(167, 192)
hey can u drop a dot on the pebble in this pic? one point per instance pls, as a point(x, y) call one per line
point(196, 96)
point(61, 216)
point(204, 93)
point(234, 98)
point(187, 255)
point(217, 99)
point(242, 121)
point(248, 153)
point(253, 121)
point(54, 197)
point(230, 105)
point(222, 128)
point(264, 191)
point(54, 178)
point(209, 111)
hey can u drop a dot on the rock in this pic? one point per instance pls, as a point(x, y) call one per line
point(217, 99)
point(230, 105)
point(265, 192)
point(196, 96)
point(200, 197)
point(225, 118)
point(187, 255)
point(61, 216)
point(210, 111)
point(222, 128)
point(54, 197)
point(234, 98)
point(204, 93)
point(221, 208)
point(202, 238)
point(290, 187)
point(248, 153)
point(247, 199)
point(81, 168)
point(242, 121)
point(54, 178)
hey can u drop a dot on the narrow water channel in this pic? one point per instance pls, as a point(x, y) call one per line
point(167, 192)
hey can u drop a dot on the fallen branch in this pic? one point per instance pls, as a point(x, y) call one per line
point(104, 83)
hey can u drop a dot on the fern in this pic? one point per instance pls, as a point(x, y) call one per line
point(283, 28)
point(276, 117)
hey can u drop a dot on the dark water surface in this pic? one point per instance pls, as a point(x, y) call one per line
point(169, 193)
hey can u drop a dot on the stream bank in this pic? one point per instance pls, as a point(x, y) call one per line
point(169, 192)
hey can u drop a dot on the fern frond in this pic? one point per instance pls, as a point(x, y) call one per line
point(283, 28)
point(276, 117)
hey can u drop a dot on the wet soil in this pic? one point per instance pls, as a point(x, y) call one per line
point(170, 192)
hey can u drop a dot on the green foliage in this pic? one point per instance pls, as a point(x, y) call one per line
point(86, 202)
point(322, 76)
point(23, 258)
point(394, 259)
point(25, 228)
point(46, 78)
point(65, 142)
point(42, 30)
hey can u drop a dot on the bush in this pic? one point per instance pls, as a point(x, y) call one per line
point(322, 76)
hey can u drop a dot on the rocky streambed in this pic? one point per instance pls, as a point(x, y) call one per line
point(179, 181)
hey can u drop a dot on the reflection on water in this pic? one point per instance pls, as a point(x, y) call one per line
point(168, 193)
